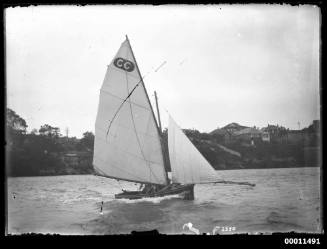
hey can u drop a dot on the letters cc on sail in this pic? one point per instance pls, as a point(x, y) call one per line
point(124, 64)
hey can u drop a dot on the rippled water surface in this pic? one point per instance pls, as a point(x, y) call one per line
point(282, 200)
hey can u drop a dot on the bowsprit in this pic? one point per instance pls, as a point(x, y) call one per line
point(124, 64)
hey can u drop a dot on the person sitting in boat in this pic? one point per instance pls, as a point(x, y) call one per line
point(152, 189)
point(156, 188)
point(146, 188)
point(149, 189)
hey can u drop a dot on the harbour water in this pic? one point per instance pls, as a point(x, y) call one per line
point(283, 200)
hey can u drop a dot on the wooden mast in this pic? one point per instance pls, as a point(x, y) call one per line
point(165, 152)
point(159, 121)
point(159, 130)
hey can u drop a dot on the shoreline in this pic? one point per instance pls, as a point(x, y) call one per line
point(170, 172)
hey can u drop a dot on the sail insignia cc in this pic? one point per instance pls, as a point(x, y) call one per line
point(124, 64)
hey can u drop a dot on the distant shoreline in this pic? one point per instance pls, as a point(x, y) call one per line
point(316, 166)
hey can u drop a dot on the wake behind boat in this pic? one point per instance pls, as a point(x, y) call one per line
point(128, 140)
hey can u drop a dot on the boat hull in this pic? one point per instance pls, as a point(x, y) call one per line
point(187, 191)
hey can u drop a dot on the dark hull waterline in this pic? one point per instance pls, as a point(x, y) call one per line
point(187, 191)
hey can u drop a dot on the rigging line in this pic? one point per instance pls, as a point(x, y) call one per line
point(237, 183)
point(100, 172)
point(121, 105)
point(160, 66)
point(114, 165)
point(137, 138)
point(113, 95)
point(120, 149)
point(118, 167)
point(129, 180)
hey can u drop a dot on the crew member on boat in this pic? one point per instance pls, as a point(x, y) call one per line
point(150, 188)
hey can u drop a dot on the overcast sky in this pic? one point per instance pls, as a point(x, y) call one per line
point(250, 64)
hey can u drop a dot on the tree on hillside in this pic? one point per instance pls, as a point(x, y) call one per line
point(50, 141)
point(15, 130)
point(192, 133)
point(48, 130)
point(15, 137)
point(42, 153)
point(14, 122)
point(86, 142)
point(34, 131)
point(69, 143)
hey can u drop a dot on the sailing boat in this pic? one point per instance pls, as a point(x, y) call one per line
point(128, 141)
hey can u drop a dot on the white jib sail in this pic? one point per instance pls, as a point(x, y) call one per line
point(187, 163)
point(127, 143)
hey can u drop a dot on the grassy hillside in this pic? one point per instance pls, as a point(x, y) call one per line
point(261, 155)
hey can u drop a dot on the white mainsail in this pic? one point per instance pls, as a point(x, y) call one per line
point(127, 142)
point(188, 166)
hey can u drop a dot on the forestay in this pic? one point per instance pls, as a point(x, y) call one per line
point(187, 164)
point(127, 142)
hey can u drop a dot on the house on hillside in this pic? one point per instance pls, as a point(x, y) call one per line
point(76, 158)
point(233, 127)
point(226, 133)
point(312, 134)
point(309, 136)
point(265, 136)
point(316, 126)
point(248, 135)
point(276, 133)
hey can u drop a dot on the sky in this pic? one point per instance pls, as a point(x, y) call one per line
point(250, 64)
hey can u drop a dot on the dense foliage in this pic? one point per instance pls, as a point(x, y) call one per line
point(46, 152)
point(41, 152)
